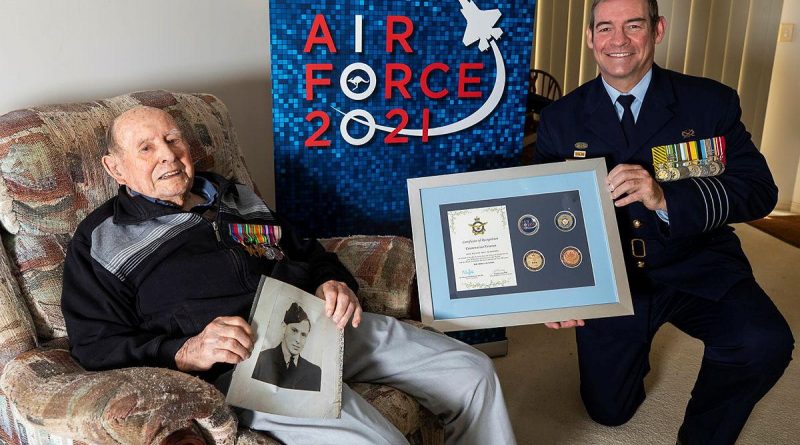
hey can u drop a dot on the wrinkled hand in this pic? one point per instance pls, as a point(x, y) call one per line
point(630, 183)
point(340, 303)
point(564, 324)
point(224, 340)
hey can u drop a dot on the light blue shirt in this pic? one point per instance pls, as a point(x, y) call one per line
point(638, 92)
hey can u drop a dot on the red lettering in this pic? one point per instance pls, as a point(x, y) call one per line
point(314, 37)
point(463, 80)
point(393, 138)
point(402, 37)
point(314, 140)
point(426, 123)
point(311, 80)
point(400, 84)
point(424, 80)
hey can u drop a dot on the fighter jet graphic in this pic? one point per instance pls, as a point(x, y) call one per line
point(480, 24)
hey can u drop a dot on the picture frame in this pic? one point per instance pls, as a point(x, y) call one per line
point(515, 246)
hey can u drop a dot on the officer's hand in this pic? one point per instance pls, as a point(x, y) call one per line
point(224, 340)
point(340, 303)
point(630, 183)
point(564, 324)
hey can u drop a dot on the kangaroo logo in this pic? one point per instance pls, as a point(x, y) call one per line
point(356, 81)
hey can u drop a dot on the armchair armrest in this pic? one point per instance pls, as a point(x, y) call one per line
point(132, 405)
point(385, 271)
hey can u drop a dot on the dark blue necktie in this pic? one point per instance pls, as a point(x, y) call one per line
point(628, 123)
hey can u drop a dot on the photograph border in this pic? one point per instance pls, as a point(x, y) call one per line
point(479, 180)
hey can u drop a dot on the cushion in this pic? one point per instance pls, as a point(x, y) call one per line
point(384, 269)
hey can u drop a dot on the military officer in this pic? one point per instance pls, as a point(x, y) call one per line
point(681, 168)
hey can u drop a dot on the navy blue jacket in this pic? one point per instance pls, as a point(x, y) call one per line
point(697, 251)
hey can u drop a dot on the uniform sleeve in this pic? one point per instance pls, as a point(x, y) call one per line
point(546, 142)
point(102, 323)
point(743, 192)
point(324, 265)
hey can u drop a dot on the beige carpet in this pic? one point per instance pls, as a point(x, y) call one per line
point(540, 375)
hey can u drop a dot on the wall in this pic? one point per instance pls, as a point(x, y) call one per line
point(58, 51)
point(781, 140)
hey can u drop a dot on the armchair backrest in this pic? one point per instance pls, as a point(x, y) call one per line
point(51, 178)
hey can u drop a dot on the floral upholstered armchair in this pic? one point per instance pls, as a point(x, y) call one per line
point(50, 179)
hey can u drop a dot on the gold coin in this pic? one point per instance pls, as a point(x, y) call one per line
point(533, 260)
point(571, 257)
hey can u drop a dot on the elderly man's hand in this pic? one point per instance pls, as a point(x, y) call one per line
point(340, 303)
point(224, 340)
point(630, 183)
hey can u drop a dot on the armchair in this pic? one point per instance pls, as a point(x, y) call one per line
point(50, 179)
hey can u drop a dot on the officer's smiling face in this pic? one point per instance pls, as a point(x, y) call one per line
point(623, 41)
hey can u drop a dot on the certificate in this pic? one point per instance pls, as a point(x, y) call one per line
point(480, 243)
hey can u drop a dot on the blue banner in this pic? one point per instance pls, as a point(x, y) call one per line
point(370, 93)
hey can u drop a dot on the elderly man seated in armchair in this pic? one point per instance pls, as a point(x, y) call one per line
point(157, 276)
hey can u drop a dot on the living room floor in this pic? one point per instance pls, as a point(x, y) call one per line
point(540, 374)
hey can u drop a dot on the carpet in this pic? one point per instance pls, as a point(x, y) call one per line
point(785, 228)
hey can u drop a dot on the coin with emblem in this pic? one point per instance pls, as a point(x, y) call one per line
point(528, 224)
point(565, 221)
point(533, 260)
point(571, 257)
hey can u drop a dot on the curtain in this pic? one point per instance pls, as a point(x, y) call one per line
point(732, 41)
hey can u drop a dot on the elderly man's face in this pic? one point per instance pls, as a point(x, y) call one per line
point(623, 41)
point(152, 157)
point(295, 336)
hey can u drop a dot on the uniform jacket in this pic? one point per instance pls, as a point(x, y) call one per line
point(141, 278)
point(271, 368)
point(697, 251)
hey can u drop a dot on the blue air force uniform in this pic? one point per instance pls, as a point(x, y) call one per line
point(685, 267)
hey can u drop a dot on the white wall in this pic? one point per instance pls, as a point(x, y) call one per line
point(55, 51)
point(781, 140)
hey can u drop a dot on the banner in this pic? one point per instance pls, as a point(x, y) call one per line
point(369, 93)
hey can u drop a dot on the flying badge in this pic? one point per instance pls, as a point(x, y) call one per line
point(580, 149)
point(687, 133)
point(478, 227)
point(258, 239)
point(700, 158)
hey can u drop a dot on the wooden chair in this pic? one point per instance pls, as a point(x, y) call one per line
point(543, 89)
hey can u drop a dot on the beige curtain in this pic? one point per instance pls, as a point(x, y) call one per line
point(732, 41)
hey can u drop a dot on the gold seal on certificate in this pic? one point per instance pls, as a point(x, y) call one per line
point(533, 260)
point(528, 224)
point(565, 221)
point(571, 257)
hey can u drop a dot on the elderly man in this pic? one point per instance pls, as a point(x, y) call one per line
point(283, 365)
point(161, 275)
point(685, 265)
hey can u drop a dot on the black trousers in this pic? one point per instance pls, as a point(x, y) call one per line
point(748, 344)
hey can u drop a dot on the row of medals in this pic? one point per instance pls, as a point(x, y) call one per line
point(689, 169)
point(534, 260)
